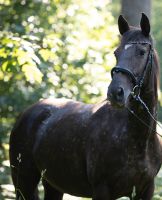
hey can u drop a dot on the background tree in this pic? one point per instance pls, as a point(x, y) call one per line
point(132, 10)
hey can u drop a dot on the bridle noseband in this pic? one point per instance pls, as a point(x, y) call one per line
point(137, 83)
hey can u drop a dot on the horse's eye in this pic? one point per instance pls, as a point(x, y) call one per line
point(142, 52)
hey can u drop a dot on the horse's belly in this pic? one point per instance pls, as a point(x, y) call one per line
point(67, 178)
point(72, 183)
point(64, 167)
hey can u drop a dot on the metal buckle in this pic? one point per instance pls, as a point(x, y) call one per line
point(136, 91)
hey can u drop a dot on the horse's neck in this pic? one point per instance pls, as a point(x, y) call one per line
point(149, 94)
point(150, 100)
point(145, 115)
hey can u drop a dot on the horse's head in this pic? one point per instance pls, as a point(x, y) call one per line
point(134, 57)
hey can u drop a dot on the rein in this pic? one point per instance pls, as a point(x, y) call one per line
point(138, 84)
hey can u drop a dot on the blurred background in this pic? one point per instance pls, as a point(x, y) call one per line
point(61, 48)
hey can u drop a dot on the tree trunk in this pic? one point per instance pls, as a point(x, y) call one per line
point(132, 9)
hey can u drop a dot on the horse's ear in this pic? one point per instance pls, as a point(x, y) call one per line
point(123, 25)
point(145, 25)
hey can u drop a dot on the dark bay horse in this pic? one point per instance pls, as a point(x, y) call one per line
point(103, 151)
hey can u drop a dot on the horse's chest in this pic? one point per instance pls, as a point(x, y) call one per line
point(134, 173)
point(124, 166)
point(134, 169)
point(134, 163)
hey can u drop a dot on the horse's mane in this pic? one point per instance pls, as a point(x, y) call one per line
point(157, 68)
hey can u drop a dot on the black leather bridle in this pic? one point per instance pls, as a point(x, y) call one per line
point(137, 82)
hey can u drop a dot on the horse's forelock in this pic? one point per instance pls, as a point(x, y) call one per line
point(135, 35)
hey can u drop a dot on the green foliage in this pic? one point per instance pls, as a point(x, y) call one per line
point(53, 48)
point(157, 32)
point(157, 26)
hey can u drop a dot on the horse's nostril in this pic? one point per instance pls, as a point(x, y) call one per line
point(116, 94)
point(120, 92)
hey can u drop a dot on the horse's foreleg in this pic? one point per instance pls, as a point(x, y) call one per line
point(51, 193)
point(101, 192)
point(148, 192)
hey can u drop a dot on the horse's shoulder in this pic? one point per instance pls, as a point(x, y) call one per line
point(53, 110)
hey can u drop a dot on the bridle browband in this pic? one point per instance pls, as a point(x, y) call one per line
point(137, 82)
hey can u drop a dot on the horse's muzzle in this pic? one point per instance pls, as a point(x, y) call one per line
point(116, 96)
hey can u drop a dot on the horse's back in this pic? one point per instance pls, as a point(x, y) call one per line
point(30, 121)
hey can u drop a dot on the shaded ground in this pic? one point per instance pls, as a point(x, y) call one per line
point(7, 189)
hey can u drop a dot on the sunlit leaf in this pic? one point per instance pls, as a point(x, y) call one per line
point(32, 73)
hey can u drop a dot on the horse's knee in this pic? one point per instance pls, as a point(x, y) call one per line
point(101, 192)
